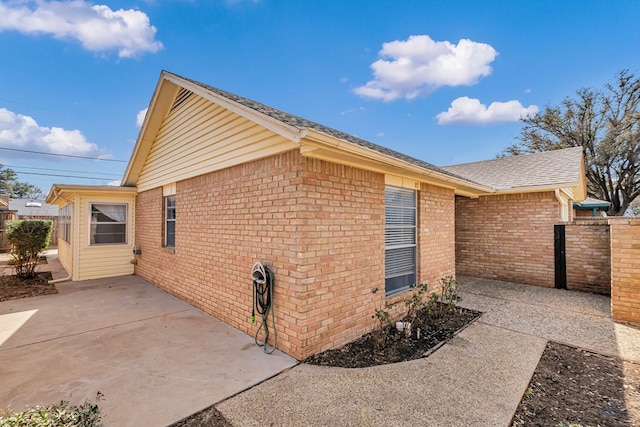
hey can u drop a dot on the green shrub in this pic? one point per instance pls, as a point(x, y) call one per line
point(27, 239)
point(61, 415)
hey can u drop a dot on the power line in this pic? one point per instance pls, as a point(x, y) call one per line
point(62, 155)
point(62, 170)
point(62, 176)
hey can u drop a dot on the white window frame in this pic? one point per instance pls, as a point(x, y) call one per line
point(91, 223)
point(394, 244)
point(64, 223)
point(167, 220)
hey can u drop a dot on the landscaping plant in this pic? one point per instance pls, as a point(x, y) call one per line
point(28, 238)
point(59, 415)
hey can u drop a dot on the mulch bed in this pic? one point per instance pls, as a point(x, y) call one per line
point(363, 352)
point(572, 386)
point(12, 287)
point(209, 417)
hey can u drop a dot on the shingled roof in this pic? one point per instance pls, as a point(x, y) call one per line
point(300, 123)
point(558, 168)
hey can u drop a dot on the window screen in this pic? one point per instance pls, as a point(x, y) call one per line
point(400, 239)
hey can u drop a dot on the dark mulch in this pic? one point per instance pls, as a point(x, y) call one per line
point(572, 386)
point(209, 417)
point(363, 352)
point(12, 287)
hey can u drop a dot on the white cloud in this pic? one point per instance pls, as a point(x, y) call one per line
point(115, 183)
point(140, 117)
point(380, 135)
point(418, 66)
point(466, 110)
point(96, 27)
point(351, 110)
point(22, 132)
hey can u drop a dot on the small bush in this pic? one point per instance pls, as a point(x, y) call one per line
point(27, 239)
point(61, 415)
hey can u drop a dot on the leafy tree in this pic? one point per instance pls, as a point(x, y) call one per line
point(10, 185)
point(606, 123)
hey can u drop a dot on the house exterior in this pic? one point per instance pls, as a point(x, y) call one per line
point(96, 230)
point(590, 208)
point(217, 182)
point(509, 235)
point(37, 209)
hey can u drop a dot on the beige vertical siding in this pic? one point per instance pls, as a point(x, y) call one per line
point(199, 137)
point(97, 261)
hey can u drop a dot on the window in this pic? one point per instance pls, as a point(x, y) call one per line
point(170, 221)
point(64, 221)
point(399, 239)
point(108, 224)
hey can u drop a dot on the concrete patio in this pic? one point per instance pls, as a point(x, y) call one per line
point(155, 358)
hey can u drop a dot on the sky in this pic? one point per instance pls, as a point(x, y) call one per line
point(444, 81)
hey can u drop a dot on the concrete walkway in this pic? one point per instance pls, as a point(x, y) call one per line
point(155, 358)
point(477, 379)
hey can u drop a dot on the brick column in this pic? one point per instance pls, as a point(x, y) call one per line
point(625, 270)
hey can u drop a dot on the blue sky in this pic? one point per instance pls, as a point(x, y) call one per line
point(442, 81)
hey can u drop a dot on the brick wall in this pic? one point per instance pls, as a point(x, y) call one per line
point(319, 226)
point(341, 237)
point(625, 270)
point(588, 256)
point(507, 237)
point(436, 244)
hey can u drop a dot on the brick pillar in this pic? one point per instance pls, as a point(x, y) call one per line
point(625, 270)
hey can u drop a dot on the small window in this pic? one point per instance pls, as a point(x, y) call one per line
point(170, 221)
point(64, 219)
point(108, 224)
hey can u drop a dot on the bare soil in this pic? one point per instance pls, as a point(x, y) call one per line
point(12, 287)
point(572, 386)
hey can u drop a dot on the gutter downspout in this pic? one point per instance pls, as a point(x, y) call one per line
point(564, 214)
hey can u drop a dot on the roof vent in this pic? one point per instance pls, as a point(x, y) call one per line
point(33, 205)
point(182, 97)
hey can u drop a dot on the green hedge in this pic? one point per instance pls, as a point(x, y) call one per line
point(28, 238)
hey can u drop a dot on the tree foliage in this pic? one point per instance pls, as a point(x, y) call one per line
point(606, 123)
point(10, 185)
point(28, 238)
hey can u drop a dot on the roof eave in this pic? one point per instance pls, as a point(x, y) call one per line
point(325, 147)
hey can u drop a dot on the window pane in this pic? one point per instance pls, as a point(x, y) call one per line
point(108, 224)
point(400, 239)
point(399, 236)
point(108, 233)
point(170, 221)
point(171, 234)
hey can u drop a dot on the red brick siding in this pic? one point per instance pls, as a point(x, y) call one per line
point(226, 221)
point(437, 246)
point(341, 237)
point(318, 225)
point(625, 270)
point(588, 256)
point(507, 237)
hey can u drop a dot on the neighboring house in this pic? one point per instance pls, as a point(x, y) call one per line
point(37, 209)
point(217, 182)
point(591, 207)
point(509, 235)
